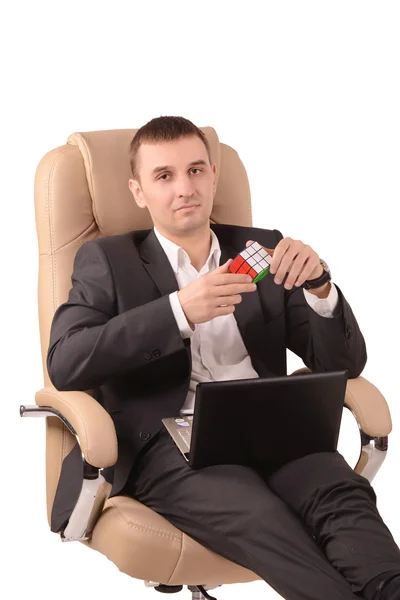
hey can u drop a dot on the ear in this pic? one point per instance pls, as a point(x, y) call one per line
point(214, 170)
point(137, 193)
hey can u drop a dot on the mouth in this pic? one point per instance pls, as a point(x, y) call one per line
point(187, 207)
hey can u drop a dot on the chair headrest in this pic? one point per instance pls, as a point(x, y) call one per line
point(106, 161)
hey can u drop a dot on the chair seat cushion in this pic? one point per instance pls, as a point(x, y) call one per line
point(144, 545)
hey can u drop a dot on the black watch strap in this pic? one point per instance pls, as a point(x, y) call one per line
point(312, 284)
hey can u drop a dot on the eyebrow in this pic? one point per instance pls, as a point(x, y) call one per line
point(166, 167)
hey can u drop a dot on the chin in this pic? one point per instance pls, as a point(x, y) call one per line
point(197, 224)
point(193, 222)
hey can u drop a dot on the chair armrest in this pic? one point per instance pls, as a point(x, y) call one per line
point(93, 425)
point(369, 407)
point(97, 449)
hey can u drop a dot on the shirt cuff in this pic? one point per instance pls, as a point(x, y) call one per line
point(326, 307)
point(180, 318)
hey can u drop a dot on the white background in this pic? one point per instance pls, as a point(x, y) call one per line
point(306, 92)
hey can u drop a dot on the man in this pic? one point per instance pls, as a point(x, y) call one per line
point(144, 323)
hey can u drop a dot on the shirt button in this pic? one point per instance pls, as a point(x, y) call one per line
point(156, 352)
point(147, 356)
point(144, 435)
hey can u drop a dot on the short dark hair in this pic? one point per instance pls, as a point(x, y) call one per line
point(163, 129)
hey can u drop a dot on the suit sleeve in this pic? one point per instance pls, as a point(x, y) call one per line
point(324, 344)
point(90, 342)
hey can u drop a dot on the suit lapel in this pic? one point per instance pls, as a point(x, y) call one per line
point(157, 265)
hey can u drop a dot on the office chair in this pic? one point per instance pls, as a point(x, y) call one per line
point(81, 193)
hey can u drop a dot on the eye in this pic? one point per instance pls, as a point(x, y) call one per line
point(164, 175)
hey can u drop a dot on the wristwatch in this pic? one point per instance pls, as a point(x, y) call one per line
point(312, 284)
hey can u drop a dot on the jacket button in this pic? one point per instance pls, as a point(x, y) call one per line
point(147, 356)
point(349, 331)
point(156, 352)
point(144, 435)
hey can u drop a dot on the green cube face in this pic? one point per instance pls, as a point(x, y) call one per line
point(261, 275)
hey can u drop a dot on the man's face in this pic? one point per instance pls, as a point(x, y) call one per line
point(177, 185)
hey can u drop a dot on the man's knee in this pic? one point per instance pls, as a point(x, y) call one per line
point(299, 482)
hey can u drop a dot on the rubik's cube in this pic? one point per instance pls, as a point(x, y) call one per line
point(254, 261)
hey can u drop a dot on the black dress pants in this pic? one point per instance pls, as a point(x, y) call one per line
point(311, 530)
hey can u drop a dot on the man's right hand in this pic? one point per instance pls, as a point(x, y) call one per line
point(214, 294)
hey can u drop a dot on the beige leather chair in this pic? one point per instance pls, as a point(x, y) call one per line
point(81, 193)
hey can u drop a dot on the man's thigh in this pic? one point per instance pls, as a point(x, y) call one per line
point(227, 508)
point(164, 481)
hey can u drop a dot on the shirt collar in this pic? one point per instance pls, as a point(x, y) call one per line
point(177, 255)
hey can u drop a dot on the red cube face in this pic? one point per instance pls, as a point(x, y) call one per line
point(236, 264)
point(244, 268)
point(253, 260)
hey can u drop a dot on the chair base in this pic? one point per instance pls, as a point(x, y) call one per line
point(168, 589)
point(198, 591)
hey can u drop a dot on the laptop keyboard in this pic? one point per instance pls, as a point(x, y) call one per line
point(184, 434)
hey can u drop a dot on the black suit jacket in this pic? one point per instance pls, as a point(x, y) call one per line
point(117, 334)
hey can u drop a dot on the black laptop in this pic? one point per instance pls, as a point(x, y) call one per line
point(262, 423)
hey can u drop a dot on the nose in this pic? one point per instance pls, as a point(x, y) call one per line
point(184, 187)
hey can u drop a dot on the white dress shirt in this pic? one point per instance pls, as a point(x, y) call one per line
point(211, 360)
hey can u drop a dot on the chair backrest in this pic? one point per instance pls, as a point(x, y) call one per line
point(81, 193)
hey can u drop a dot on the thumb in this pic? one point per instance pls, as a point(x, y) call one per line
point(224, 268)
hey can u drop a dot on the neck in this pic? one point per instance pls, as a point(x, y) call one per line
point(197, 244)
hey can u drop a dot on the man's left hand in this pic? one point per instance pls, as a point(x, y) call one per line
point(290, 256)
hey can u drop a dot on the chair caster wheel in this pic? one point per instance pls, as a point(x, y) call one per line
point(168, 589)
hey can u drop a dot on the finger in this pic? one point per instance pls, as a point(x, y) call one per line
point(224, 268)
point(228, 300)
point(233, 289)
point(302, 276)
point(279, 253)
point(222, 311)
point(229, 278)
point(306, 273)
point(296, 268)
point(286, 265)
